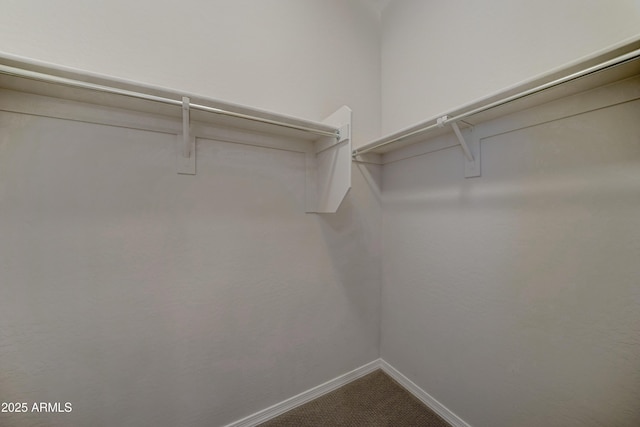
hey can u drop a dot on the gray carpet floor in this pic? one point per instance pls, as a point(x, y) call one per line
point(374, 400)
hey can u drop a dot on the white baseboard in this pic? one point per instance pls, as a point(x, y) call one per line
point(306, 396)
point(423, 396)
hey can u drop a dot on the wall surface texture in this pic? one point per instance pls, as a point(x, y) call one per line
point(303, 58)
point(148, 298)
point(439, 55)
point(513, 298)
point(144, 297)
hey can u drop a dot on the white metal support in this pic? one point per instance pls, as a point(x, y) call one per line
point(463, 143)
point(344, 132)
point(186, 147)
point(186, 153)
point(471, 149)
point(472, 168)
point(328, 166)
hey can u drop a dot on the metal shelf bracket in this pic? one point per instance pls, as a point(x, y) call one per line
point(472, 162)
point(186, 153)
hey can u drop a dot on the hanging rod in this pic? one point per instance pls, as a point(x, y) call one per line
point(622, 59)
point(62, 81)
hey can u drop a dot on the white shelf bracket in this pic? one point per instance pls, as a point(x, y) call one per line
point(186, 147)
point(463, 143)
point(472, 162)
point(186, 153)
point(344, 133)
point(471, 149)
point(328, 165)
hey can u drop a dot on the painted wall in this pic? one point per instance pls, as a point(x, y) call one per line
point(132, 295)
point(144, 297)
point(148, 298)
point(303, 58)
point(438, 55)
point(513, 298)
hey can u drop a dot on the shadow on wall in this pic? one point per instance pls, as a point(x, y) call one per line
point(352, 234)
point(543, 193)
point(352, 237)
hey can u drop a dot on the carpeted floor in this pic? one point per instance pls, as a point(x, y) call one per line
point(374, 400)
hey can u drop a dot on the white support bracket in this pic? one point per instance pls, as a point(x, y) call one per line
point(463, 143)
point(344, 133)
point(471, 150)
point(186, 152)
point(328, 165)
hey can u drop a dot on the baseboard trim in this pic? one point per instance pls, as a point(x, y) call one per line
point(423, 396)
point(306, 396)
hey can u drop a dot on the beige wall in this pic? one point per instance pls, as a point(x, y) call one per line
point(438, 55)
point(513, 298)
point(302, 58)
point(144, 297)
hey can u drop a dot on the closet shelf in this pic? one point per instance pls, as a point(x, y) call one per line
point(26, 75)
point(600, 69)
point(327, 144)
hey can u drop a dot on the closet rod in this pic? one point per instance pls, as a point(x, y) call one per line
point(62, 81)
point(440, 123)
